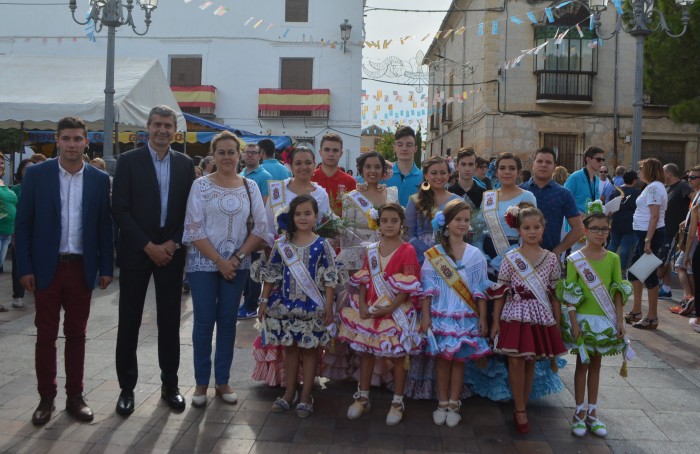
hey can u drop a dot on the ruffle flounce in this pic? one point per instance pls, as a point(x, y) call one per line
point(599, 335)
point(495, 291)
point(529, 340)
point(362, 277)
point(269, 364)
point(380, 337)
point(272, 273)
point(458, 339)
point(569, 292)
point(404, 283)
point(622, 287)
point(307, 332)
point(331, 276)
point(492, 381)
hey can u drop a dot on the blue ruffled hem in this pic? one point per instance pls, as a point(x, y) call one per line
point(465, 348)
point(421, 380)
point(492, 381)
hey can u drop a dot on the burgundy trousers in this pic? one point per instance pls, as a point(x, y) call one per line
point(67, 291)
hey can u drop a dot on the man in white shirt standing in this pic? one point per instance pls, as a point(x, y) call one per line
point(63, 234)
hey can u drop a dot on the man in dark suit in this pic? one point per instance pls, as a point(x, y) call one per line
point(63, 237)
point(149, 197)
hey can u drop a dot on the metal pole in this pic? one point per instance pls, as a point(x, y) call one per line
point(638, 102)
point(107, 151)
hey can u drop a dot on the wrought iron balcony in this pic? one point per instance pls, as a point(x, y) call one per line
point(564, 86)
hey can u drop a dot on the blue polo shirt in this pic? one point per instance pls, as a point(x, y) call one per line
point(260, 176)
point(407, 184)
point(583, 189)
point(556, 203)
point(275, 169)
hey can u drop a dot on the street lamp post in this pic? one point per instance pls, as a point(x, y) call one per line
point(345, 30)
point(110, 13)
point(640, 22)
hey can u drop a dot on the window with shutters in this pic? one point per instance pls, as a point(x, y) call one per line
point(296, 74)
point(186, 72)
point(567, 146)
point(296, 10)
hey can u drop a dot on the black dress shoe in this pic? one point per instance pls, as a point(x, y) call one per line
point(77, 408)
point(125, 404)
point(171, 394)
point(42, 414)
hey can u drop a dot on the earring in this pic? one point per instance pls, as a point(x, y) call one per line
point(446, 234)
point(425, 185)
point(362, 186)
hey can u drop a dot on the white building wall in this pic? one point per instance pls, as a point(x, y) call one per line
point(236, 59)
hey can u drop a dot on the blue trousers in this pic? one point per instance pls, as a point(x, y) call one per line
point(624, 243)
point(215, 301)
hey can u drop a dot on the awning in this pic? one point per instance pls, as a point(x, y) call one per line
point(39, 91)
point(247, 137)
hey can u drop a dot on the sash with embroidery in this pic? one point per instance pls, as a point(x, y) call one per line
point(490, 212)
point(276, 192)
point(529, 276)
point(385, 297)
point(441, 264)
point(361, 201)
point(299, 271)
point(600, 293)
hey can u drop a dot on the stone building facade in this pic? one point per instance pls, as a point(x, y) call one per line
point(570, 95)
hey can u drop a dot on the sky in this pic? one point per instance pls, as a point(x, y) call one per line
point(381, 26)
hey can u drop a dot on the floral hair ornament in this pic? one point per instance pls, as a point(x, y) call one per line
point(511, 216)
point(438, 221)
point(594, 207)
point(373, 219)
point(282, 220)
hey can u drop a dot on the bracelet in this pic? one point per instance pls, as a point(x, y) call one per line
point(263, 300)
point(570, 308)
point(218, 259)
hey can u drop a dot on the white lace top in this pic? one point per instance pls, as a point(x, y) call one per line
point(319, 194)
point(219, 215)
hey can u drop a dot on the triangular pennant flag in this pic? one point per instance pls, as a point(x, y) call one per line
point(531, 16)
point(515, 20)
point(480, 31)
point(245, 24)
point(460, 30)
point(494, 27)
point(549, 14)
point(205, 5)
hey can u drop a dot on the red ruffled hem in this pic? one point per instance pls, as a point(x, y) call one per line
point(269, 364)
point(529, 340)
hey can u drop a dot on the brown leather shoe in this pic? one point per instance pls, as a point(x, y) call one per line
point(42, 414)
point(77, 408)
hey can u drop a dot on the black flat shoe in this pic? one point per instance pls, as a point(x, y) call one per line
point(125, 404)
point(171, 394)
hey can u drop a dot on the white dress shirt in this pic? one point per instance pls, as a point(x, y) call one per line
point(71, 210)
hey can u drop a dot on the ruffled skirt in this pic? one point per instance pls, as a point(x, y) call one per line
point(599, 334)
point(295, 322)
point(457, 337)
point(491, 380)
point(269, 364)
point(529, 340)
point(421, 382)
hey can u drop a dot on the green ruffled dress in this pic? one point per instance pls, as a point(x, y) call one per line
point(599, 333)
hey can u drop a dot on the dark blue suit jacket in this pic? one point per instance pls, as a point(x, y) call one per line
point(38, 224)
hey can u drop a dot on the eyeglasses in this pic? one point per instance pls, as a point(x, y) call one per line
point(605, 230)
point(603, 171)
point(692, 177)
point(600, 159)
point(251, 152)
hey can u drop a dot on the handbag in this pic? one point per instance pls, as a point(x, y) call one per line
point(644, 266)
point(249, 222)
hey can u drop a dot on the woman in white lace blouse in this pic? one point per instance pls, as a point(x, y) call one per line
point(220, 238)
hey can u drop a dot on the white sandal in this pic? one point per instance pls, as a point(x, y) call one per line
point(578, 427)
point(595, 425)
point(453, 417)
point(395, 414)
point(440, 415)
point(359, 407)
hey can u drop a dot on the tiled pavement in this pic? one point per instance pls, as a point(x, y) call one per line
point(656, 409)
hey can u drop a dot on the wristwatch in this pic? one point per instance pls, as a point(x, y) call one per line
point(240, 256)
point(646, 240)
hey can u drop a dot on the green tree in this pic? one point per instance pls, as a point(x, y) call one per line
point(385, 146)
point(10, 140)
point(672, 65)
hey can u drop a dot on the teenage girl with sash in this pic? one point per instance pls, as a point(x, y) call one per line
point(296, 304)
point(593, 294)
point(454, 310)
point(381, 320)
point(269, 359)
point(500, 237)
point(432, 196)
point(357, 206)
point(526, 312)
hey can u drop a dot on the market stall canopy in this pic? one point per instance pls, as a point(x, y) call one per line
point(39, 91)
point(247, 137)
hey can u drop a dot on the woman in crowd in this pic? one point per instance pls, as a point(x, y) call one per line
point(649, 228)
point(17, 289)
point(225, 223)
point(8, 209)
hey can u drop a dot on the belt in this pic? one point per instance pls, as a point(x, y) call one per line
point(69, 257)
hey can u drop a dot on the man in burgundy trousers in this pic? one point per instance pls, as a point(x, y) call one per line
point(63, 238)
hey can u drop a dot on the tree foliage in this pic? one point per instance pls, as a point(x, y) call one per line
point(385, 146)
point(10, 140)
point(672, 65)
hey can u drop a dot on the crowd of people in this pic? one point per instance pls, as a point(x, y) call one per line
point(465, 276)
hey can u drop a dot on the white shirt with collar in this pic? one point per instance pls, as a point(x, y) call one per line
point(71, 210)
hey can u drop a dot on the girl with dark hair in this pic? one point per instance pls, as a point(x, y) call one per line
point(593, 294)
point(296, 304)
point(381, 321)
point(454, 281)
point(526, 312)
point(432, 196)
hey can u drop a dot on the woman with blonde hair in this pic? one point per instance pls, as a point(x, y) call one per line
point(560, 175)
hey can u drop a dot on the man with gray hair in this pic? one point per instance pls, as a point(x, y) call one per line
point(149, 198)
point(680, 195)
point(618, 179)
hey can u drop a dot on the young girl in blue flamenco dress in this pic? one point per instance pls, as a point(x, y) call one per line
point(593, 295)
point(454, 282)
point(296, 305)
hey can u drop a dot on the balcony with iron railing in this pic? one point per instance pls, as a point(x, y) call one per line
point(288, 103)
point(564, 86)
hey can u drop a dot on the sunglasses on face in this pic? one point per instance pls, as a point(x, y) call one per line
point(600, 159)
point(603, 171)
point(692, 177)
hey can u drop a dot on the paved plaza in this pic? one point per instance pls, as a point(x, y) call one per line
point(655, 409)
